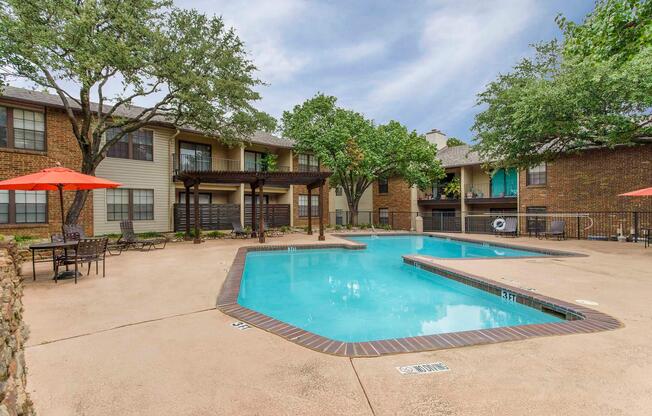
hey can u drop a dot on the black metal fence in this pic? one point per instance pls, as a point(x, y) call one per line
point(394, 220)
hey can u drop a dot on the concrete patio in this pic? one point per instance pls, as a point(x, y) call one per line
point(147, 340)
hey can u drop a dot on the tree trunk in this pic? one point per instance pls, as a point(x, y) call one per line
point(353, 209)
point(76, 208)
point(87, 168)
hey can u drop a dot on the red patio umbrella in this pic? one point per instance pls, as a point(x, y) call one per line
point(639, 192)
point(58, 178)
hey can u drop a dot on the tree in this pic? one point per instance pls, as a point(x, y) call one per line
point(356, 150)
point(192, 70)
point(454, 141)
point(592, 89)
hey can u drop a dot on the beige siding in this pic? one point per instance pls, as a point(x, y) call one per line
point(138, 174)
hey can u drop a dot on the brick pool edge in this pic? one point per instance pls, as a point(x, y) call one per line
point(581, 320)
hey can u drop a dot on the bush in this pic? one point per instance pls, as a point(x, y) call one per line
point(23, 238)
point(363, 226)
point(349, 226)
point(338, 227)
point(112, 236)
point(150, 234)
point(181, 234)
point(285, 229)
point(215, 234)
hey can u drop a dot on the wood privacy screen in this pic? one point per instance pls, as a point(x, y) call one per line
point(212, 216)
point(276, 215)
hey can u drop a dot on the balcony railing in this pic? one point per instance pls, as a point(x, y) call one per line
point(307, 168)
point(192, 163)
point(264, 167)
point(484, 190)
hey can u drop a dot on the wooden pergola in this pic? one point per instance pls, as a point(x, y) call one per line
point(257, 181)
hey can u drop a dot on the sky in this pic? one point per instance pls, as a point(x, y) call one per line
point(420, 62)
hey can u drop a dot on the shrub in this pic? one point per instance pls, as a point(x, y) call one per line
point(181, 234)
point(285, 229)
point(150, 234)
point(338, 227)
point(23, 238)
point(215, 234)
point(349, 226)
point(363, 226)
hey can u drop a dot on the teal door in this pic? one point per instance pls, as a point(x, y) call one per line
point(504, 182)
point(511, 182)
point(498, 183)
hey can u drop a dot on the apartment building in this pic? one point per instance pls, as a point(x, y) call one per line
point(35, 134)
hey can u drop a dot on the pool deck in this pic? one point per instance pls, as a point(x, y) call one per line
point(148, 340)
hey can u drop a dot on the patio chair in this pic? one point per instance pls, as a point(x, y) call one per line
point(86, 251)
point(557, 229)
point(510, 229)
point(73, 232)
point(130, 239)
point(238, 231)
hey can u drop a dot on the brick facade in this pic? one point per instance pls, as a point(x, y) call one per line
point(397, 201)
point(591, 181)
point(62, 147)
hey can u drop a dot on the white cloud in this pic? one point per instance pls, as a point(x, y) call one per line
point(456, 38)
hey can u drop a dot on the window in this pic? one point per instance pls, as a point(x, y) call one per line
point(383, 185)
point(204, 198)
point(4, 207)
point(535, 224)
point(265, 199)
point(194, 156)
point(383, 216)
point(536, 175)
point(339, 217)
point(29, 130)
point(3, 127)
point(255, 161)
point(308, 163)
point(143, 204)
point(22, 129)
point(23, 207)
point(138, 145)
point(338, 191)
point(303, 205)
point(117, 204)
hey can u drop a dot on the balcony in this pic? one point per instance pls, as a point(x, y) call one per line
point(263, 166)
point(307, 168)
point(486, 193)
point(192, 163)
point(438, 197)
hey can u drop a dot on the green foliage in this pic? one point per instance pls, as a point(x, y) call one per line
point(215, 234)
point(453, 189)
point(385, 227)
point(112, 236)
point(358, 151)
point(338, 227)
point(190, 68)
point(150, 234)
point(592, 89)
point(285, 229)
point(181, 234)
point(349, 226)
point(454, 141)
point(364, 226)
point(269, 162)
point(19, 239)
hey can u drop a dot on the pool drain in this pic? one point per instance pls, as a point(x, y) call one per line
point(423, 368)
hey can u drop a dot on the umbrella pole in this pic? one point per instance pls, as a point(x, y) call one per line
point(63, 232)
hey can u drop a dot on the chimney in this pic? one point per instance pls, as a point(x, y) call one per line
point(437, 138)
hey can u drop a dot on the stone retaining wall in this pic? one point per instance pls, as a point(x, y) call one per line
point(14, 399)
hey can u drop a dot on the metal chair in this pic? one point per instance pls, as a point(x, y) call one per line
point(86, 251)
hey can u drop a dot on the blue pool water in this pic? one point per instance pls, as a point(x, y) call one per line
point(365, 295)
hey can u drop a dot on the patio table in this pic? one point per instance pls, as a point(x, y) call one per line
point(51, 246)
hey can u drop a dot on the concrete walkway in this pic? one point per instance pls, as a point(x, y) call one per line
point(146, 340)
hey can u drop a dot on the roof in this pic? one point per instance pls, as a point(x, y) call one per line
point(53, 100)
point(458, 156)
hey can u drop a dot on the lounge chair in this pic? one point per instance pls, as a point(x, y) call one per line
point(557, 229)
point(129, 238)
point(238, 231)
point(510, 228)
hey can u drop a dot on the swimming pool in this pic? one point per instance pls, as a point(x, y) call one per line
point(371, 294)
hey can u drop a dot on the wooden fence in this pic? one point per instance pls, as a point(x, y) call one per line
point(211, 216)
